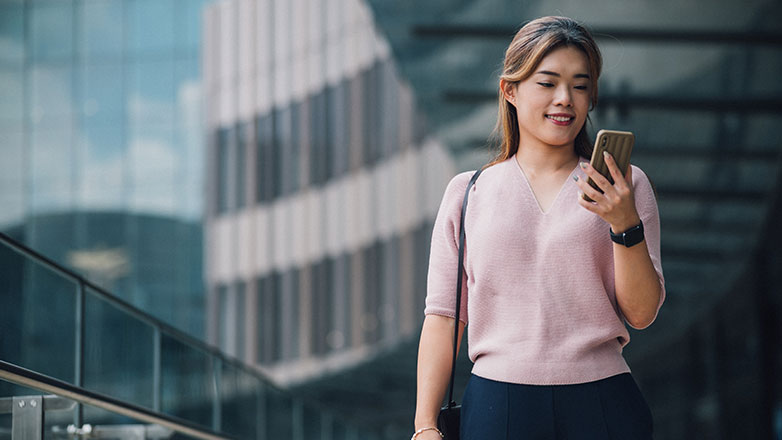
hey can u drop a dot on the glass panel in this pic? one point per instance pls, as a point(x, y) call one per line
point(188, 23)
point(151, 26)
point(12, 91)
point(103, 180)
point(282, 141)
point(118, 352)
point(241, 288)
point(11, 34)
point(151, 92)
point(103, 101)
point(238, 396)
point(223, 170)
point(11, 179)
point(240, 164)
point(318, 161)
point(279, 414)
point(312, 423)
point(51, 95)
point(187, 381)
point(293, 173)
point(51, 169)
point(51, 25)
point(37, 318)
point(153, 169)
point(101, 29)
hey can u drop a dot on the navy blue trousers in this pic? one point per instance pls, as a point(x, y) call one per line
point(608, 409)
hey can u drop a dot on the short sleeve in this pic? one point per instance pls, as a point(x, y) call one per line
point(444, 254)
point(646, 204)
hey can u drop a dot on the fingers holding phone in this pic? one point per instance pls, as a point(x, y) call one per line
point(608, 191)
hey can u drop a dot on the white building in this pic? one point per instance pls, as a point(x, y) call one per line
point(322, 187)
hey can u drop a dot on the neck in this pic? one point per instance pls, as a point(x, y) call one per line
point(544, 160)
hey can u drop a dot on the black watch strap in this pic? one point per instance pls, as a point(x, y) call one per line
point(629, 237)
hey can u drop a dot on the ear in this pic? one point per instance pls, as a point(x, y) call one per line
point(509, 91)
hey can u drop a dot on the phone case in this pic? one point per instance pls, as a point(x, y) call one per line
point(619, 144)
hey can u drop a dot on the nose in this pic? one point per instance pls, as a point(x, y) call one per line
point(563, 96)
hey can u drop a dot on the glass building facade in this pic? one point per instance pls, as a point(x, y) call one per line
point(102, 144)
point(323, 188)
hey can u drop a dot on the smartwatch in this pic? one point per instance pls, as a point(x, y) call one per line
point(630, 237)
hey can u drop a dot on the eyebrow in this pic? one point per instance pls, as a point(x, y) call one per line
point(578, 75)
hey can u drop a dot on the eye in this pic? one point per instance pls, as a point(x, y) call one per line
point(546, 84)
point(581, 87)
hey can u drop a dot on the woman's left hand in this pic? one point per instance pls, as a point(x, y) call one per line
point(617, 203)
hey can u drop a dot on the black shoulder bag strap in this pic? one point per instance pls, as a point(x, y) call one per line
point(451, 402)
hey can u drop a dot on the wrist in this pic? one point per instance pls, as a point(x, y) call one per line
point(424, 422)
point(621, 227)
point(431, 431)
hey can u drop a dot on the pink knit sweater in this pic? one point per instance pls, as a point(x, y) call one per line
point(539, 290)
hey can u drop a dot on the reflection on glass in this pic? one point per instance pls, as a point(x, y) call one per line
point(239, 402)
point(102, 29)
point(279, 410)
point(102, 181)
point(11, 180)
point(11, 34)
point(151, 26)
point(52, 177)
point(153, 167)
point(119, 353)
point(37, 317)
point(187, 381)
point(51, 27)
point(12, 93)
point(103, 99)
point(151, 92)
point(51, 95)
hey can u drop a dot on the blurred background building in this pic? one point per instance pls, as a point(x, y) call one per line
point(308, 142)
point(102, 144)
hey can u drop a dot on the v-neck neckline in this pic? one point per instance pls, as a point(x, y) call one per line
point(532, 191)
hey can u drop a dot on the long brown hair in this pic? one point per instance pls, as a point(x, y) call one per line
point(532, 42)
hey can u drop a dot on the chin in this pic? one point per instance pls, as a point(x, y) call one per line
point(560, 141)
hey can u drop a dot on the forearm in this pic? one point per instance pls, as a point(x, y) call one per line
point(637, 284)
point(435, 353)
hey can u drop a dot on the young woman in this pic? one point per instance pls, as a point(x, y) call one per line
point(547, 291)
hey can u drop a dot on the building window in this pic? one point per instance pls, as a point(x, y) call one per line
point(293, 175)
point(269, 324)
point(321, 306)
point(223, 170)
point(318, 139)
point(227, 318)
point(369, 321)
point(240, 164)
point(280, 149)
point(290, 313)
point(241, 291)
point(264, 160)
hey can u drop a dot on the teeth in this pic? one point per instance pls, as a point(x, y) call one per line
point(559, 118)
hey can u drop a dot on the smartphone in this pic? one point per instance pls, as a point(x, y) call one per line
point(619, 144)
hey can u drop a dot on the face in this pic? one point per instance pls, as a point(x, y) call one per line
point(552, 103)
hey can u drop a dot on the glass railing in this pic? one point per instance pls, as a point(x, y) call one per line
point(106, 365)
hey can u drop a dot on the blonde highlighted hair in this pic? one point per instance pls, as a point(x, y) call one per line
point(531, 44)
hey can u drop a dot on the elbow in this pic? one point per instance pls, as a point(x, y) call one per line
point(640, 324)
point(640, 321)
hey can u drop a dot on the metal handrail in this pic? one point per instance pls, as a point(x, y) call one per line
point(132, 310)
point(75, 391)
point(28, 378)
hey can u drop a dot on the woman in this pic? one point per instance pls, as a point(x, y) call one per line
point(546, 290)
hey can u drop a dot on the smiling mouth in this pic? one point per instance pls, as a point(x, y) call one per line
point(560, 118)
